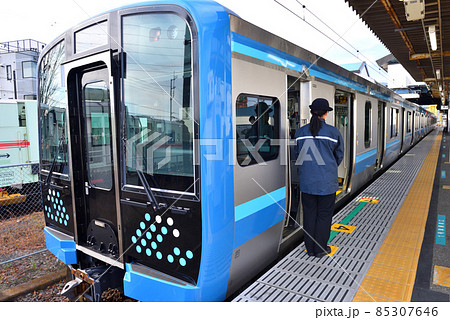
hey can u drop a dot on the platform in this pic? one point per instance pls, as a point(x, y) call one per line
point(381, 241)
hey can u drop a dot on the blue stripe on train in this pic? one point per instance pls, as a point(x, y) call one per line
point(365, 160)
point(258, 50)
point(368, 159)
point(258, 215)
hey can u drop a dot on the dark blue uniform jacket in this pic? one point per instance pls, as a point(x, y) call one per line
point(318, 159)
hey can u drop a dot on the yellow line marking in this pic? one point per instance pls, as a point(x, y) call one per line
point(333, 250)
point(392, 274)
point(369, 200)
point(342, 228)
point(441, 276)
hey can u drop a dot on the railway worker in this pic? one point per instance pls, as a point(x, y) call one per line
point(320, 150)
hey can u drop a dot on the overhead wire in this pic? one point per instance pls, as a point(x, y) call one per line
point(376, 69)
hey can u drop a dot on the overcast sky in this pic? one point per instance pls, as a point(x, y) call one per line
point(44, 20)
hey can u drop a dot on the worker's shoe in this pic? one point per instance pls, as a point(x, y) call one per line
point(324, 253)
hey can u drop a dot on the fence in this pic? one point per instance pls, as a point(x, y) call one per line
point(21, 217)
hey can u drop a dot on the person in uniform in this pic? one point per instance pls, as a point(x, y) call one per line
point(320, 150)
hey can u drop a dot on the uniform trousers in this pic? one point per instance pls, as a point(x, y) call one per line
point(317, 215)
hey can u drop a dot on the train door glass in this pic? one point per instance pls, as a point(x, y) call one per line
point(97, 135)
point(93, 159)
point(294, 217)
point(381, 134)
point(403, 129)
point(343, 103)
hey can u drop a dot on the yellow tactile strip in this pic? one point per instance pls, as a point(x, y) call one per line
point(441, 276)
point(391, 275)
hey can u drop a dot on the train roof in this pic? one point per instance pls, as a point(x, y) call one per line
point(246, 29)
point(267, 38)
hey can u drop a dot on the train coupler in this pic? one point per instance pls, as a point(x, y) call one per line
point(89, 284)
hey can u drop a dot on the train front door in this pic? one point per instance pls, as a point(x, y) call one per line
point(92, 132)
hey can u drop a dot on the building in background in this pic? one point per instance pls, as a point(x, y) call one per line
point(360, 68)
point(398, 76)
point(18, 69)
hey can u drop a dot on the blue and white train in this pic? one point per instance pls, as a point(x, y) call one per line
point(165, 139)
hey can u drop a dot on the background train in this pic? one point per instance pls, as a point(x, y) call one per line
point(19, 151)
point(166, 159)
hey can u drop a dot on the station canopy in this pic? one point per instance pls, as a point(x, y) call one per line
point(407, 29)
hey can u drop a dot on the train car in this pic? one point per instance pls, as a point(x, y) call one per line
point(19, 149)
point(167, 167)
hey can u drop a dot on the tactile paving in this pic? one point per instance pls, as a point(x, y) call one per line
point(298, 277)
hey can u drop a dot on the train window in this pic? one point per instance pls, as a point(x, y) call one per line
point(98, 134)
point(397, 121)
point(394, 122)
point(257, 124)
point(158, 99)
point(52, 111)
point(22, 113)
point(91, 37)
point(368, 124)
point(408, 122)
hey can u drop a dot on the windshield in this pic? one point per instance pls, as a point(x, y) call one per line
point(158, 101)
point(52, 111)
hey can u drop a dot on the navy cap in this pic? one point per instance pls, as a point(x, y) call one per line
point(320, 104)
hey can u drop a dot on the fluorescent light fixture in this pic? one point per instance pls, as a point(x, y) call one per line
point(438, 74)
point(432, 33)
point(440, 88)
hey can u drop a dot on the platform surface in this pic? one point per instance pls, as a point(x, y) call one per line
point(377, 241)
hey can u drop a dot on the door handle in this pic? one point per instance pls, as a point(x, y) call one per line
point(135, 203)
point(87, 187)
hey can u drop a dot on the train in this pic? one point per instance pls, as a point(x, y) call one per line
point(167, 154)
point(19, 151)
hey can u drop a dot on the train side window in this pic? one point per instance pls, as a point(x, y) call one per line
point(22, 115)
point(408, 122)
point(394, 122)
point(257, 125)
point(368, 124)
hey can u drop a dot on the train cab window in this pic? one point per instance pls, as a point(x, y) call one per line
point(257, 124)
point(91, 37)
point(52, 111)
point(368, 124)
point(394, 122)
point(159, 109)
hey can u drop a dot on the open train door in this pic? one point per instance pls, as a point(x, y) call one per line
point(343, 115)
point(381, 139)
point(92, 127)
